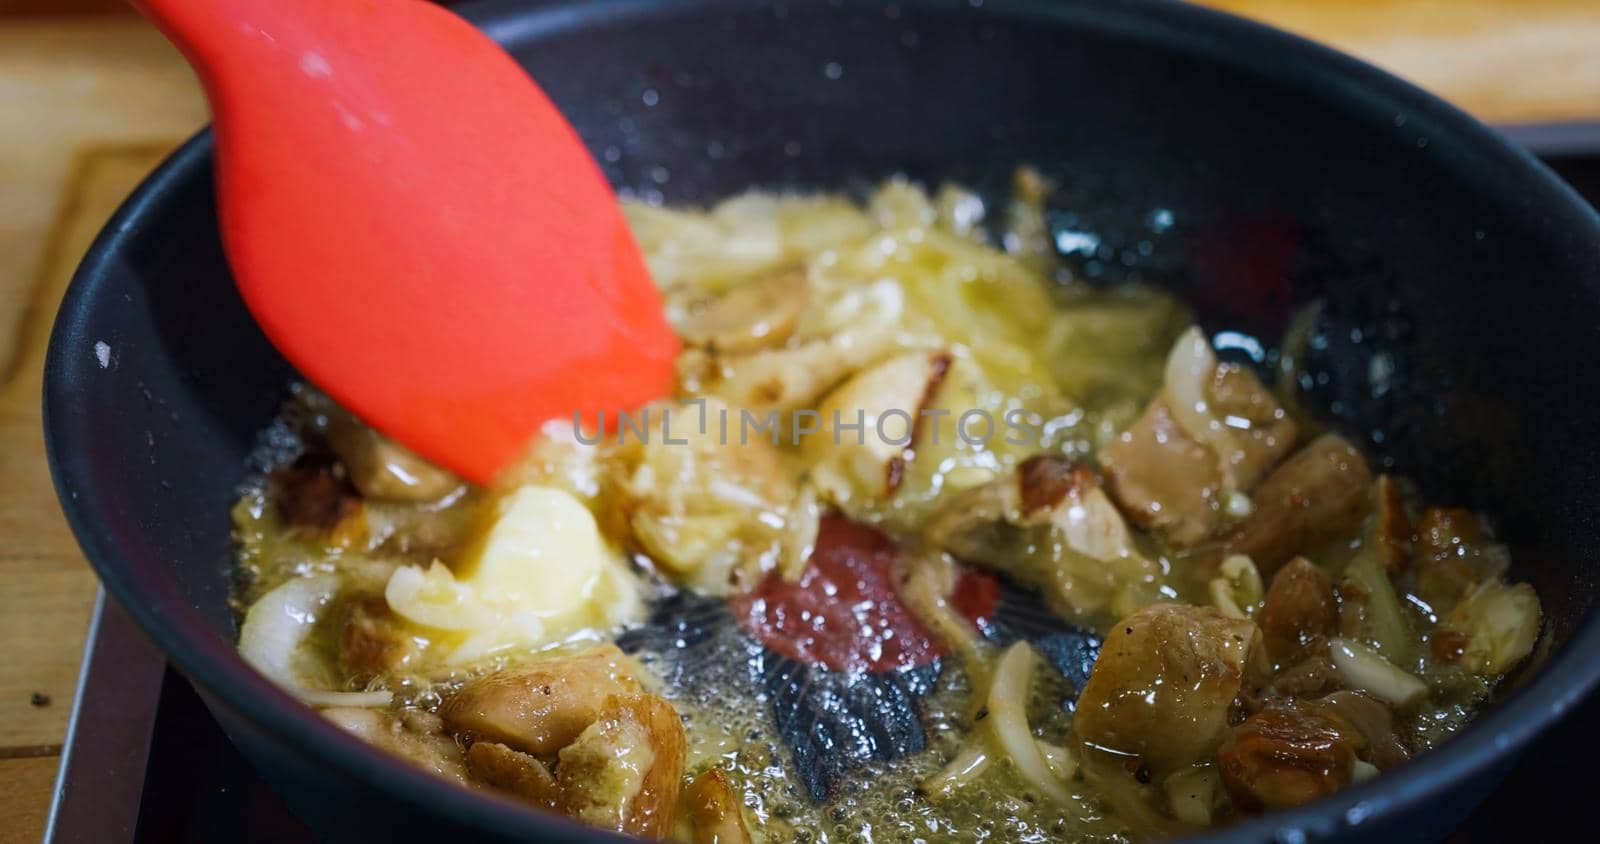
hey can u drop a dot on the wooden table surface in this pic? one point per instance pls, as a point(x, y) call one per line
point(89, 104)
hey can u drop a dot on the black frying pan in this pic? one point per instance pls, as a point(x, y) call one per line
point(1261, 170)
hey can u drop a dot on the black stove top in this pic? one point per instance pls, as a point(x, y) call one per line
point(145, 762)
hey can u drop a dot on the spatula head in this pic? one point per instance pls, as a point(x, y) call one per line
point(417, 228)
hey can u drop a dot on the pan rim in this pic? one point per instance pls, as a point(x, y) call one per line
point(139, 584)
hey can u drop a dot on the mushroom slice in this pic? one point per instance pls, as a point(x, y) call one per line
point(1315, 496)
point(1300, 608)
point(754, 315)
point(384, 469)
point(411, 734)
point(1282, 757)
point(1166, 681)
point(1049, 525)
point(1204, 442)
point(1391, 529)
point(1166, 482)
point(377, 466)
point(1369, 719)
point(541, 707)
point(1454, 554)
point(868, 428)
point(516, 773)
point(625, 770)
point(373, 640)
point(713, 810)
point(1256, 432)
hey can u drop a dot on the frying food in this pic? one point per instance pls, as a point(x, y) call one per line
point(933, 542)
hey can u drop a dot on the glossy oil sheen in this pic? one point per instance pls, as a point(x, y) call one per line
point(1260, 172)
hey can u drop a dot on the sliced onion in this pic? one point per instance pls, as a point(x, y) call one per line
point(1062, 763)
point(434, 598)
point(925, 590)
point(364, 700)
point(1367, 671)
point(1238, 592)
point(1008, 721)
point(967, 766)
point(274, 633)
point(800, 533)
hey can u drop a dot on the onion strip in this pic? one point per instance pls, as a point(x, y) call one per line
point(927, 583)
point(1238, 593)
point(1367, 671)
point(967, 766)
point(1008, 721)
point(1061, 761)
point(1005, 686)
point(275, 630)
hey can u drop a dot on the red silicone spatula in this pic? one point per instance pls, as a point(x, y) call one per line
point(416, 227)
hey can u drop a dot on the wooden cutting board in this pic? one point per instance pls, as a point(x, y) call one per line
point(87, 108)
point(1506, 61)
point(89, 105)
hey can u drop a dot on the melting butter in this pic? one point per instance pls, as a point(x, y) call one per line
point(539, 574)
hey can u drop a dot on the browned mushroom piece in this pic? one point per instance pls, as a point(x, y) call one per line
point(410, 734)
point(1369, 719)
point(1392, 530)
point(1300, 607)
point(624, 771)
point(384, 469)
point(751, 316)
point(314, 494)
point(1166, 681)
point(377, 466)
point(1313, 676)
point(1163, 481)
point(1050, 526)
point(1258, 429)
point(1169, 483)
point(541, 707)
point(1317, 495)
point(372, 639)
point(516, 773)
point(1282, 757)
point(1443, 531)
point(1044, 481)
point(712, 808)
point(1454, 553)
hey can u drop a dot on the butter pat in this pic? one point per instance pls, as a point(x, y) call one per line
point(540, 573)
point(543, 554)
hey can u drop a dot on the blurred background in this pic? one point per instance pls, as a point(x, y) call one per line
point(91, 99)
